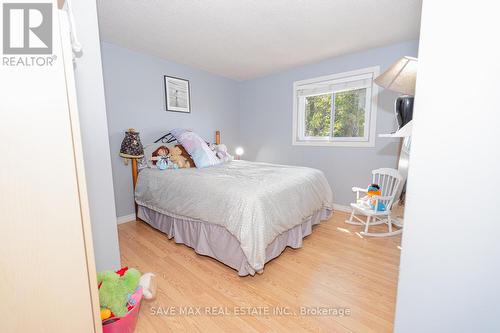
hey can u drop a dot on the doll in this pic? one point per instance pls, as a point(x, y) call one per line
point(160, 156)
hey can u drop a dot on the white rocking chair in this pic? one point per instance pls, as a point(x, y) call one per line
point(389, 181)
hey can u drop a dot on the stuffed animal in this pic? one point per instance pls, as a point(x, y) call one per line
point(186, 156)
point(374, 190)
point(221, 152)
point(115, 289)
point(148, 284)
point(177, 158)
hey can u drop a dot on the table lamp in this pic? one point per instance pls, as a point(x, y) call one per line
point(239, 151)
point(132, 149)
point(401, 77)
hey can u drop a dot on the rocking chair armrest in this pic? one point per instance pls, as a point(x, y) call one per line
point(379, 197)
point(359, 189)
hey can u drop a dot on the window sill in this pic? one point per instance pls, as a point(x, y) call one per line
point(354, 144)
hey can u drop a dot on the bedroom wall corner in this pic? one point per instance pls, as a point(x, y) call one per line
point(135, 98)
point(265, 122)
point(95, 141)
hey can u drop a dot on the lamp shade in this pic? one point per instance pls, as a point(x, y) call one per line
point(400, 77)
point(131, 145)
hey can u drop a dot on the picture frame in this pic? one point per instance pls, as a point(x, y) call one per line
point(177, 94)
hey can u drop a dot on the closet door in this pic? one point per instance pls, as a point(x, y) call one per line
point(47, 272)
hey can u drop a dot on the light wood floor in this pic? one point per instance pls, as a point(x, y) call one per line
point(335, 268)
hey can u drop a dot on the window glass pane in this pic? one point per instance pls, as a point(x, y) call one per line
point(317, 115)
point(350, 113)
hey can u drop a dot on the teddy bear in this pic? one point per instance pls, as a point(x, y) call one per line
point(177, 158)
point(221, 152)
point(186, 155)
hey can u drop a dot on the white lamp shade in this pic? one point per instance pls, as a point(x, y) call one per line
point(400, 77)
point(239, 151)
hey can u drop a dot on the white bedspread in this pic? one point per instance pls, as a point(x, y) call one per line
point(255, 202)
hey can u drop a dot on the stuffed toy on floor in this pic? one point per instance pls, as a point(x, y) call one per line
point(115, 289)
point(148, 284)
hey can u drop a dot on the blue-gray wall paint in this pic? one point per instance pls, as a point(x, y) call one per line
point(265, 115)
point(135, 98)
point(256, 114)
point(94, 132)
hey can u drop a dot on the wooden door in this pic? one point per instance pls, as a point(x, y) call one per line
point(47, 272)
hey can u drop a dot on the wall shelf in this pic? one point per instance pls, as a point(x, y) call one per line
point(400, 133)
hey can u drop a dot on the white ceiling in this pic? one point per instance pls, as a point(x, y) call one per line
point(243, 39)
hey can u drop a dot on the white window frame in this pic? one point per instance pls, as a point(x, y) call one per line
point(298, 139)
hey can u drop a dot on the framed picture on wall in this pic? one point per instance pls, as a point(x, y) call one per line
point(177, 97)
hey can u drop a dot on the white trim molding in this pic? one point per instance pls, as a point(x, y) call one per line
point(341, 208)
point(356, 79)
point(125, 219)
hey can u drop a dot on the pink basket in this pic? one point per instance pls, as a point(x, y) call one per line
point(126, 324)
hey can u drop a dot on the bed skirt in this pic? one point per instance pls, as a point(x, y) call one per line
point(215, 241)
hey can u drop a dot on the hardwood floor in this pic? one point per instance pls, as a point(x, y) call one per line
point(335, 268)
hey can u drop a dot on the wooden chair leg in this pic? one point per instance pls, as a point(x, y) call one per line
point(389, 223)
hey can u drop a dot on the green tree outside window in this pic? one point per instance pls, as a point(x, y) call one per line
point(349, 114)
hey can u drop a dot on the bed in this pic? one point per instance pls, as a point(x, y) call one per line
point(241, 213)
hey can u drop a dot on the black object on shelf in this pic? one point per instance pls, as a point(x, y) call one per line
point(404, 109)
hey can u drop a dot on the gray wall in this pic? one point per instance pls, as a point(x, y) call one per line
point(135, 98)
point(266, 122)
point(92, 110)
point(255, 114)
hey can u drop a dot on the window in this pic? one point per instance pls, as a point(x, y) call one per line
point(336, 110)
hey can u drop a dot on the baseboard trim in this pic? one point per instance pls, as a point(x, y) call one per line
point(125, 219)
point(342, 208)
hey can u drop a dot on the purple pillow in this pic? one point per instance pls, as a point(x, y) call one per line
point(200, 152)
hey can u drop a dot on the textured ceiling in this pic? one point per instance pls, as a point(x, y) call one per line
point(243, 39)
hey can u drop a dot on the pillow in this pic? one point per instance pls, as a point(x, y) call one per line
point(154, 150)
point(201, 154)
